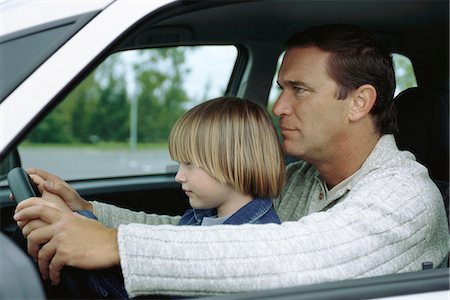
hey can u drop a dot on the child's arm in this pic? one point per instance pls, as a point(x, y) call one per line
point(113, 216)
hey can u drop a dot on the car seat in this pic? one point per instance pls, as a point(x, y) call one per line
point(423, 121)
point(19, 277)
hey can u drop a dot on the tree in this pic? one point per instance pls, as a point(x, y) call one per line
point(404, 73)
point(109, 119)
point(83, 98)
point(160, 95)
point(98, 109)
point(53, 129)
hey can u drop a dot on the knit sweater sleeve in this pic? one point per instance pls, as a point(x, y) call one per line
point(113, 216)
point(387, 224)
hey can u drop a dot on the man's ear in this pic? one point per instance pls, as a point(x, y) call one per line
point(363, 99)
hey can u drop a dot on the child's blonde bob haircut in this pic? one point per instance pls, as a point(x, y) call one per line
point(235, 141)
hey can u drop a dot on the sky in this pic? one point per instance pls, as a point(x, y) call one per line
point(210, 69)
point(209, 66)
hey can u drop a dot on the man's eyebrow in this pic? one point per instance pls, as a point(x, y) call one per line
point(294, 83)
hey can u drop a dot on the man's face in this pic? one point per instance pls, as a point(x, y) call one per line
point(312, 121)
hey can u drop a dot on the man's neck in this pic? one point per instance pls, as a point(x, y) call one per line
point(348, 158)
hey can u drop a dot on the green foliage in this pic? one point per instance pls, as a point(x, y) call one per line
point(110, 120)
point(98, 109)
point(404, 72)
point(161, 97)
point(53, 130)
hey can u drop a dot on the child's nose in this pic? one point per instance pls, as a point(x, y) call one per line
point(180, 177)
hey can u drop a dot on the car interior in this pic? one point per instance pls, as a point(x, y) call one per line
point(418, 30)
point(425, 133)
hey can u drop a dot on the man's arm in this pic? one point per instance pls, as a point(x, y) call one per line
point(380, 228)
point(370, 233)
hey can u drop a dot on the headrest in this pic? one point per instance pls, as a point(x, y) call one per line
point(423, 122)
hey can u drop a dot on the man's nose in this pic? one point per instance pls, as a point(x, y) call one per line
point(281, 106)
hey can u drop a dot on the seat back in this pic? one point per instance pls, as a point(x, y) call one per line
point(423, 121)
point(423, 116)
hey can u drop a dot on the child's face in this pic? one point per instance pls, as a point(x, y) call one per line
point(203, 190)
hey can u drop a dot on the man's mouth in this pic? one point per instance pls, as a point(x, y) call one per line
point(284, 128)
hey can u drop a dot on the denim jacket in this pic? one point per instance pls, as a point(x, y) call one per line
point(257, 211)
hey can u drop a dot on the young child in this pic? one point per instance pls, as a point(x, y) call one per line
point(231, 162)
point(231, 165)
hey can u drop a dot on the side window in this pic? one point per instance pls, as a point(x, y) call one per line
point(404, 73)
point(117, 120)
point(404, 76)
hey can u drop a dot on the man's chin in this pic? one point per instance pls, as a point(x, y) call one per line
point(291, 149)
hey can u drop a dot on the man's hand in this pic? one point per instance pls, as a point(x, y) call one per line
point(52, 200)
point(53, 184)
point(69, 240)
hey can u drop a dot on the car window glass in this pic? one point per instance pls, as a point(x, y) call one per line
point(404, 73)
point(117, 120)
point(26, 54)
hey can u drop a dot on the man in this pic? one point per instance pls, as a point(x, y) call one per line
point(354, 206)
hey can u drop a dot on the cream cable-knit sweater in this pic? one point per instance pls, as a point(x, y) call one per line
point(389, 218)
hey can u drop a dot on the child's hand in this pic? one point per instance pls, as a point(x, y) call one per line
point(57, 187)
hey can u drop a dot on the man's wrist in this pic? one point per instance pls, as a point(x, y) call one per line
point(115, 256)
point(88, 206)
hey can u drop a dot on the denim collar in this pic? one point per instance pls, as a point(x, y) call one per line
point(199, 214)
point(249, 213)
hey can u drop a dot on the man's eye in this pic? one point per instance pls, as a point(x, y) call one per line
point(298, 89)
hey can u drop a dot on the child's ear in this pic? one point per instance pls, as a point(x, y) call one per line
point(363, 99)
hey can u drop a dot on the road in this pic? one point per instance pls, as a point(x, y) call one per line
point(79, 163)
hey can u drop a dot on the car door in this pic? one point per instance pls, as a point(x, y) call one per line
point(99, 118)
